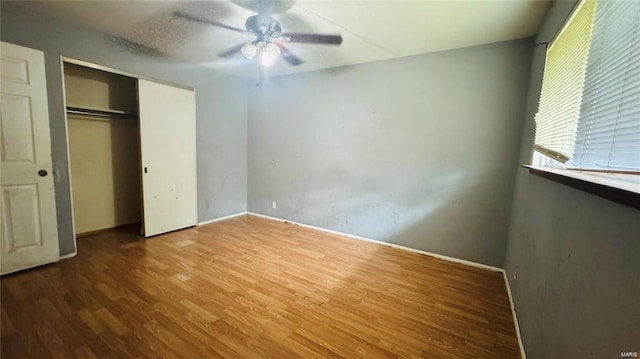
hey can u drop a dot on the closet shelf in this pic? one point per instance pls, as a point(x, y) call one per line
point(101, 113)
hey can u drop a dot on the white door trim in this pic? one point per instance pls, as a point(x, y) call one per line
point(66, 141)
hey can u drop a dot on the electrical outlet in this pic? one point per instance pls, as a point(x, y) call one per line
point(515, 275)
point(274, 205)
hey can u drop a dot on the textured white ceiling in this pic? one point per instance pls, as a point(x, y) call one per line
point(372, 30)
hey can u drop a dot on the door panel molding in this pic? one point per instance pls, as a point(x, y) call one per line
point(29, 235)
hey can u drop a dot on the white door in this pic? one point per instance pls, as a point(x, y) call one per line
point(168, 153)
point(29, 232)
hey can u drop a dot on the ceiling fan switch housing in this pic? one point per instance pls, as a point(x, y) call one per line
point(262, 26)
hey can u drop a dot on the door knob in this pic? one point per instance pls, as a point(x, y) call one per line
point(42, 173)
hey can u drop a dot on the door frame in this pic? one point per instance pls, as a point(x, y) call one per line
point(66, 141)
point(112, 70)
point(91, 65)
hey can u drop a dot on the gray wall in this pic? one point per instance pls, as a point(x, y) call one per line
point(221, 109)
point(577, 256)
point(419, 151)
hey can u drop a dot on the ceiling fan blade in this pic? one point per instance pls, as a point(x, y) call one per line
point(232, 51)
point(311, 38)
point(289, 57)
point(182, 15)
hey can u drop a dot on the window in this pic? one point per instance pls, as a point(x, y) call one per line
point(589, 112)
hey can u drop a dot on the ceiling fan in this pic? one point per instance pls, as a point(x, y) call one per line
point(267, 46)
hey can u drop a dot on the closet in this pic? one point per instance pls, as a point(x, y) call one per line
point(104, 148)
point(131, 151)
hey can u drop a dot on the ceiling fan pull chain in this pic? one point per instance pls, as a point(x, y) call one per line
point(258, 66)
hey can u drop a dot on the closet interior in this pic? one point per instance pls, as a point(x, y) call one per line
point(104, 148)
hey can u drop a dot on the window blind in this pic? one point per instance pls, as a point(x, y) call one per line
point(563, 81)
point(608, 134)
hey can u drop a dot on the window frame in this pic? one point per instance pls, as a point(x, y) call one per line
point(619, 186)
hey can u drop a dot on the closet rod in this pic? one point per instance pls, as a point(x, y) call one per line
point(100, 113)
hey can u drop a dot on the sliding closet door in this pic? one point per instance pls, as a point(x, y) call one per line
point(168, 146)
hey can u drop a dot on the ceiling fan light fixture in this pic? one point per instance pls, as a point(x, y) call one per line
point(249, 50)
point(270, 53)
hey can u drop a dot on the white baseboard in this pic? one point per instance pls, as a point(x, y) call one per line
point(221, 218)
point(70, 255)
point(435, 255)
point(439, 256)
point(515, 316)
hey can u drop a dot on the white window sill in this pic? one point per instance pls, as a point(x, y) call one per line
point(617, 187)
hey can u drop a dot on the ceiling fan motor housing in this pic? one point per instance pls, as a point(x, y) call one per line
point(263, 27)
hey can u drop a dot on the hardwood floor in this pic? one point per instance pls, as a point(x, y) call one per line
point(251, 288)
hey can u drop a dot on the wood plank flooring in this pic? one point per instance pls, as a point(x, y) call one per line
point(253, 288)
